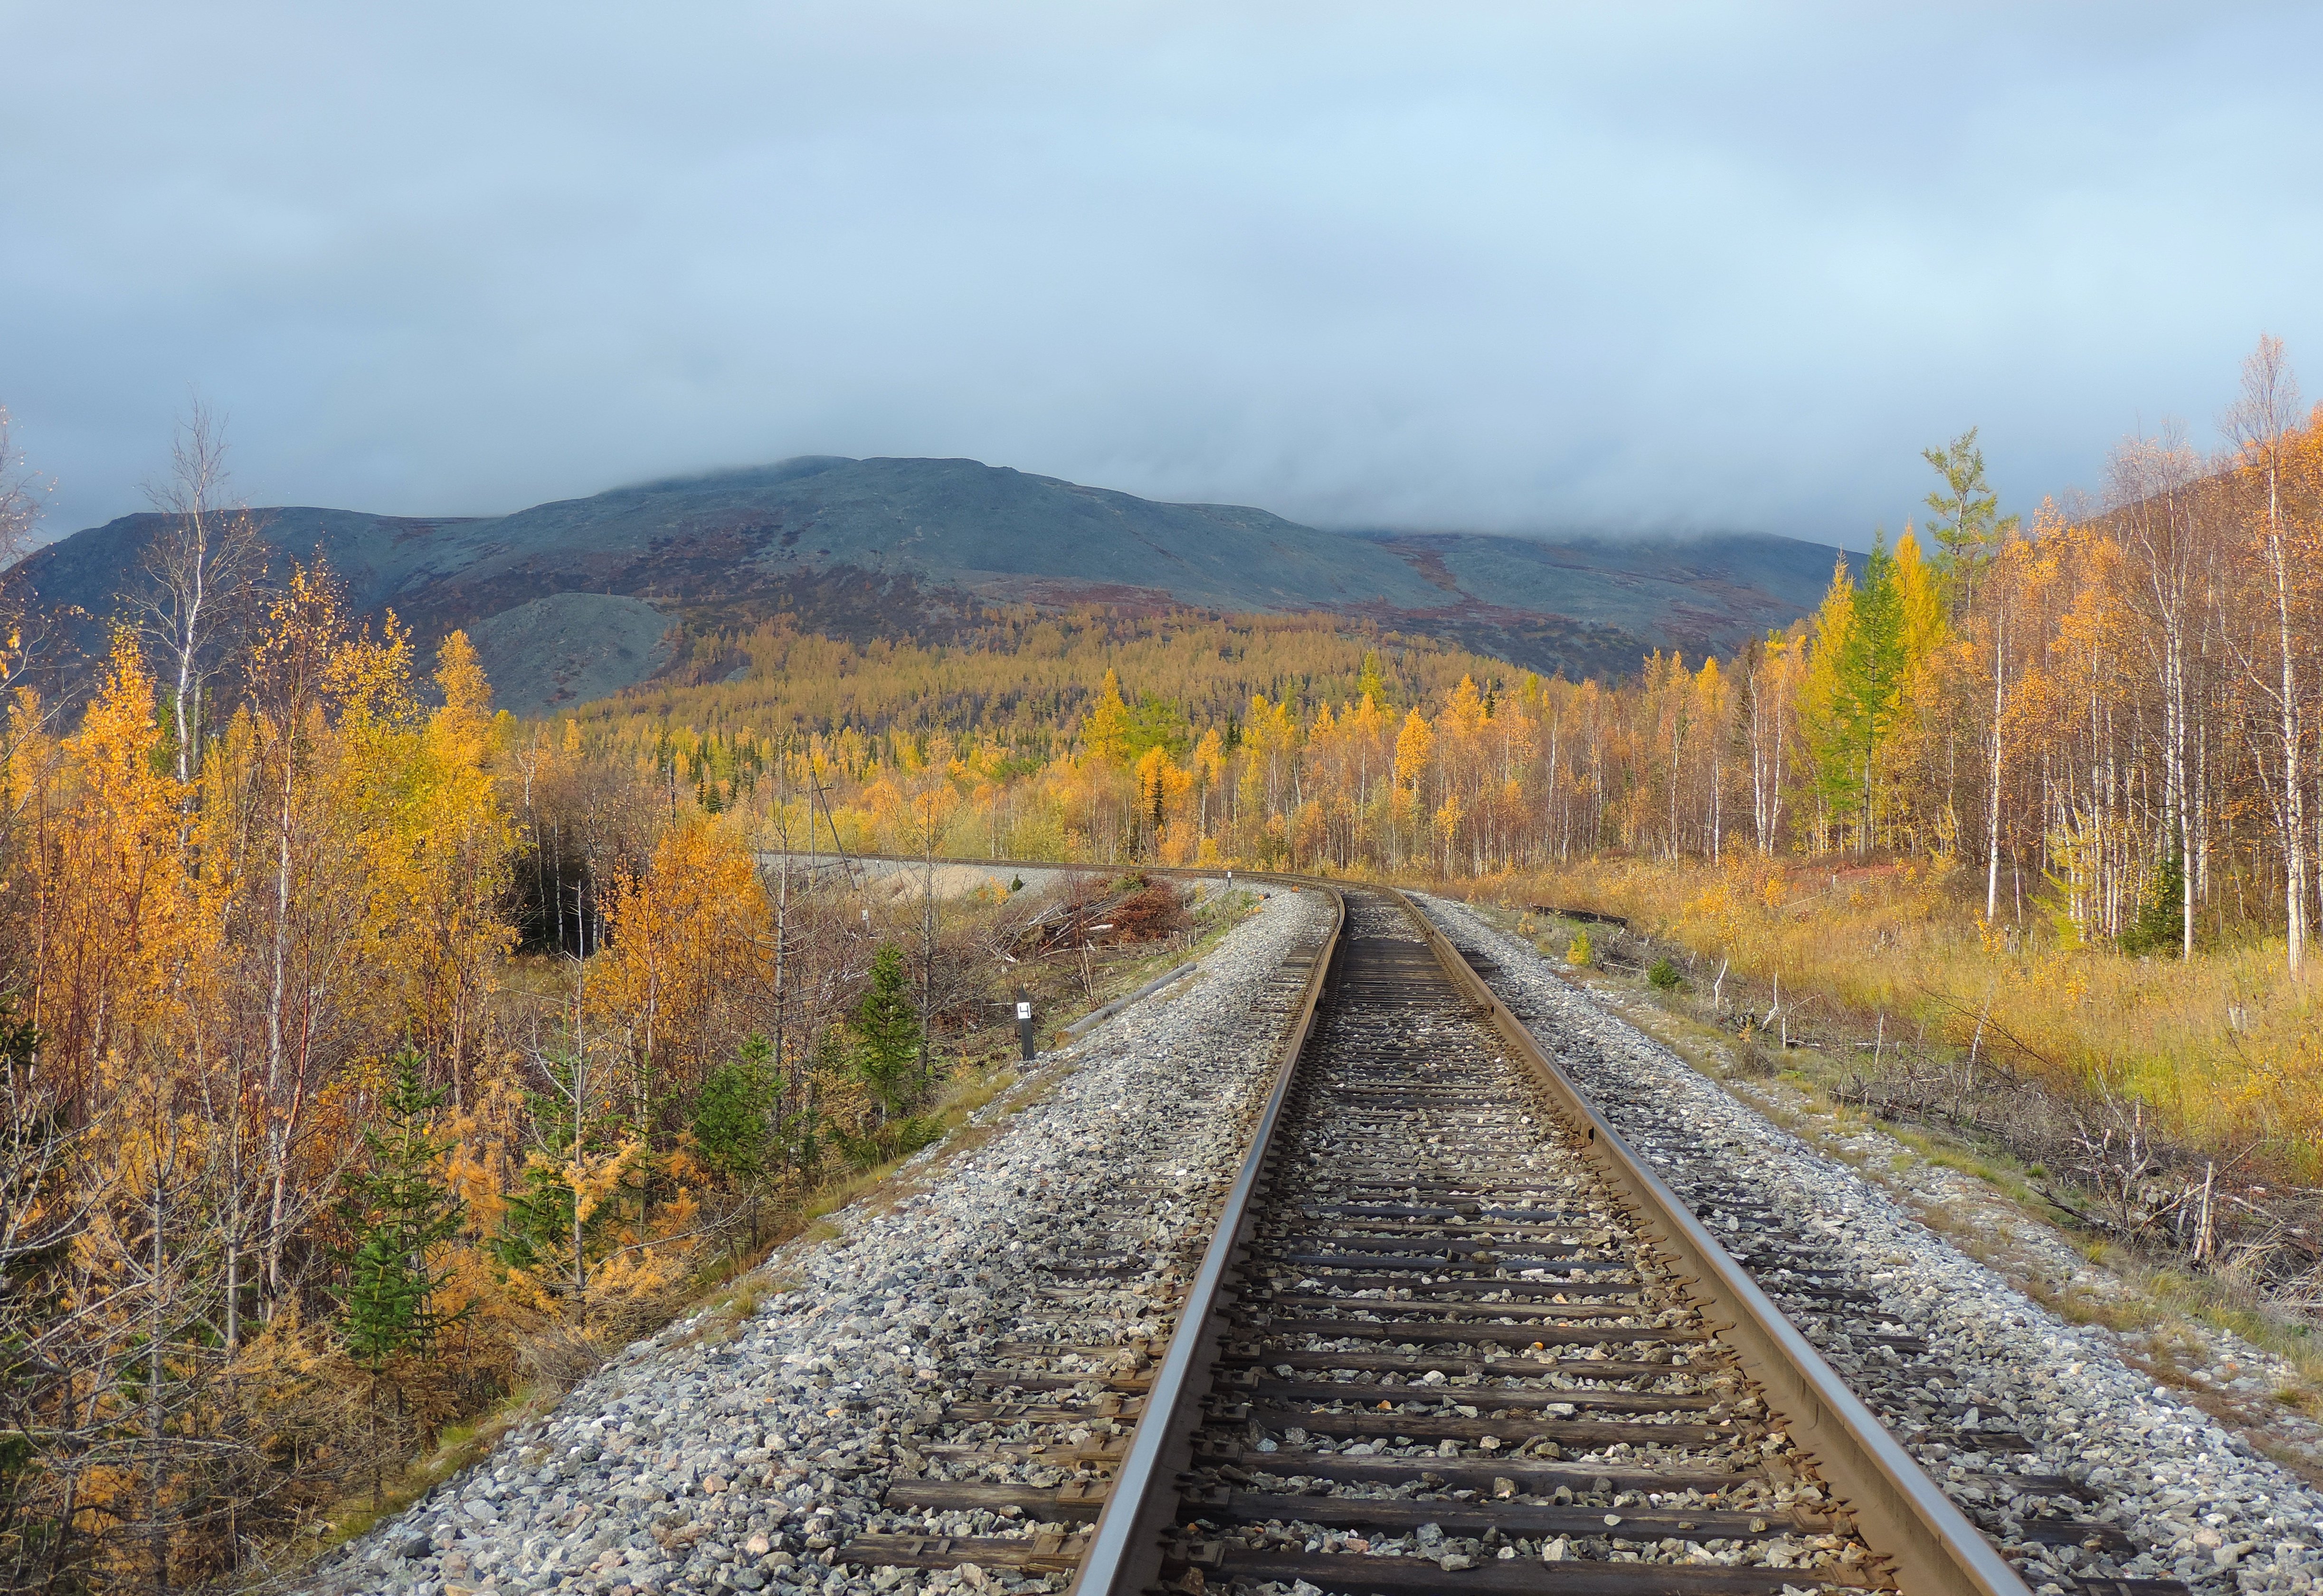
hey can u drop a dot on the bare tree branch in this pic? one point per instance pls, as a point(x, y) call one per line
point(205, 562)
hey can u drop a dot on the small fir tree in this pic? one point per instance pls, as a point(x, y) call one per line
point(398, 1215)
point(736, 1122)
point(2160, 923)
point(887, 1034)
point(734, 1116)
point(804, 1134)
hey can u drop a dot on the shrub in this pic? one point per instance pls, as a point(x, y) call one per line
point(1580, 954)
point(879, 1144)
point(1663, 975)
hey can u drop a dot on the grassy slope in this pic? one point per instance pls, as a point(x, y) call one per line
point(2224, 1049)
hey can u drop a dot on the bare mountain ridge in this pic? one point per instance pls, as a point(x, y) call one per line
point(572, 599)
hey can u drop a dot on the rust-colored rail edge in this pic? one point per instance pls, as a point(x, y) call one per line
point(1125, 1549)
point(1903, 1515)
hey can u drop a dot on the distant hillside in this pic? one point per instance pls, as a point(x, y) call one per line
point(573, 599)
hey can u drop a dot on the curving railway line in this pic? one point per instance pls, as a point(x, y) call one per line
point(1445, 1331)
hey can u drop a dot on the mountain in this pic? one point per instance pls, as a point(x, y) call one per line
point(576, 599)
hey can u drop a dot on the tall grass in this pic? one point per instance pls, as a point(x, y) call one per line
point(2222, 1047)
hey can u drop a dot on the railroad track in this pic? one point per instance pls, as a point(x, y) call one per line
point(1445, 1332)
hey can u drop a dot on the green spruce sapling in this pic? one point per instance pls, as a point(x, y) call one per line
point(398, 1215)
point(887, 1034)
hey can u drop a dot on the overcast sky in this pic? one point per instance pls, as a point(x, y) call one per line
point(1517, 266)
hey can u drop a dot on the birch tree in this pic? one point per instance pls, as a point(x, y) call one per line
point(202, 564)
point(2261, 422)
point(2153, 482)
point(20, 493)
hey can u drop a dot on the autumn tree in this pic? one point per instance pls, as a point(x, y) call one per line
point(202, 563)
point(1850, 698)
point(1415, 744)
point(2156, 513)
point(675, 991)
point(2264, 422)
point(1768, 685)
point(109, 882)
point(555, 1219)
point(53, 1352)
point(20, 493)
point(440, 867)
point(285, 837)
point(1105, 731)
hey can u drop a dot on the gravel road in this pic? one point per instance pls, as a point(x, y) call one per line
point(2193, 1501)
point(724, 1455)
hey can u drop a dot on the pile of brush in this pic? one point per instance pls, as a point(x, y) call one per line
point(1097, 912)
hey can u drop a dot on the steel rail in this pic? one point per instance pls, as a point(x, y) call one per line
point(1903, 1516)
point(1125, 1549)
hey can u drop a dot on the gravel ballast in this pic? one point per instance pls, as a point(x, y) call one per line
point(2194, 1500)
point(738, 1455)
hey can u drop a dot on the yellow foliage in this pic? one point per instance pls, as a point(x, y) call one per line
point(1413, 744)
point(685, 951)
point(111, 889)
point(1106, 727)
point(2225, 1052)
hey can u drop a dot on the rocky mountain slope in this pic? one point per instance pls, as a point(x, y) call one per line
point(572, 599)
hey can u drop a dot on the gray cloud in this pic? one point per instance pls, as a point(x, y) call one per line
point(1488, 266)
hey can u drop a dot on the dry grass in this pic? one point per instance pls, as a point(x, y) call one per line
point(457, 1446)
point(2225, 1048)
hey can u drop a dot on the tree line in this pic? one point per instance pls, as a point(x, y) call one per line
point(2107, 718)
